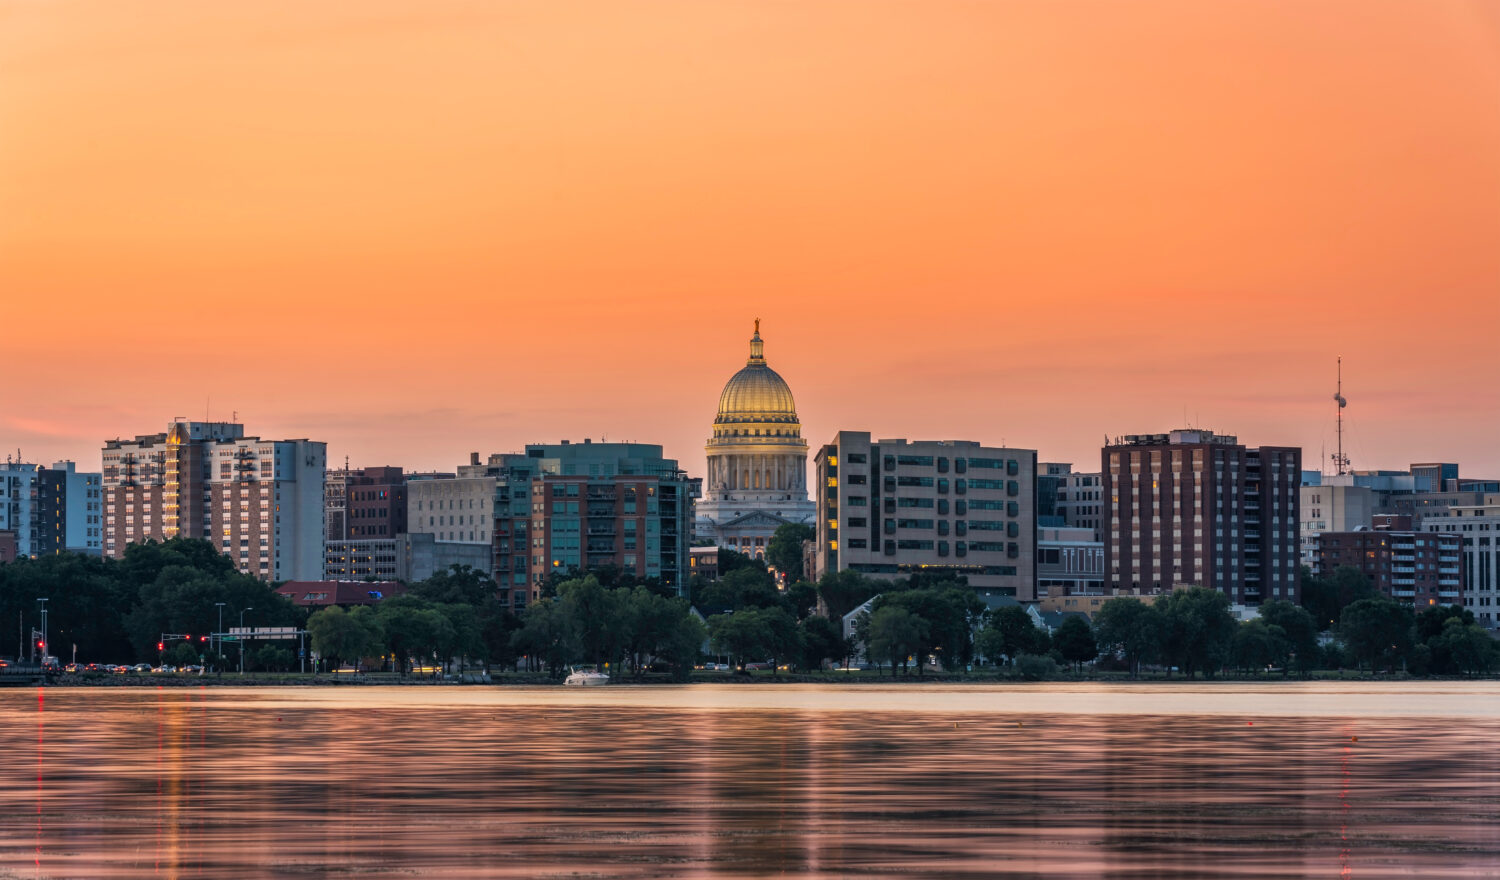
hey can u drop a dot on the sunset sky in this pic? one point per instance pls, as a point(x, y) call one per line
point(418, 229)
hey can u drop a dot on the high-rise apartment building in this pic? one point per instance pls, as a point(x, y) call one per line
point(50, 510)
point(892, 508)
point(558, 508)
point(260, 502)
point(592, 505)
point(1421, 569)
point(1195, 508)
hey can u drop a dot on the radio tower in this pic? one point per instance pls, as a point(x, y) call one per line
point(1340, 460)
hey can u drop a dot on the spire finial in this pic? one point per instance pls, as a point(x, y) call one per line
point(757, 350)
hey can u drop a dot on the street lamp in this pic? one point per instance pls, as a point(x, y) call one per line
point(242, 639)
point(217, 645)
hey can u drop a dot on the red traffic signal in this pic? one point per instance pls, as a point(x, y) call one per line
point(160, 646)
point(203, 638)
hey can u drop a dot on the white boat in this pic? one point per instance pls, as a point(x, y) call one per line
point(586, 678)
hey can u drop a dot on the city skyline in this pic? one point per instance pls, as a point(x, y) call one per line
point(1018, 224)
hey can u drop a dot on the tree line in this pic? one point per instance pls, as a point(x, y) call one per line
point(117, 610)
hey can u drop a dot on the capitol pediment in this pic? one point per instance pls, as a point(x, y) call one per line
point(755, 519)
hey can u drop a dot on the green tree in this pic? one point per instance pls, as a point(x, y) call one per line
point(1377, 631)
point(456, 585)
point(803, 597)
point(1075, 641)
point(844, 591)
point(1327, 597)
point(897, 634)
point(742, 635)
point(548, 636)
point(1130, 628)
point(820, 639)
point(183, 654)
point(1198, 629)
point(1009, 633)
point(345, 636)
point(951, 615)
point(1470, 647)
point(1299, 628)
point(1257, 645)
point(785, 550)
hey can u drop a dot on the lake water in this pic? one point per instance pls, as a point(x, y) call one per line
point(1316, 780)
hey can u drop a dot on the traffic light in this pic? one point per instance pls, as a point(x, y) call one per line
point(160, 646)
point(203, 638)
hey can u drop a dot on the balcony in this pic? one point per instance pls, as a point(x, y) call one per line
point(602, 530)
point(1404, 594)
point(1448, 594)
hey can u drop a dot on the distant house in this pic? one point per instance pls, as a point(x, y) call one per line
point(321, 594)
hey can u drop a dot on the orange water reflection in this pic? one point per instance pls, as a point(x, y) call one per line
point(498, 783)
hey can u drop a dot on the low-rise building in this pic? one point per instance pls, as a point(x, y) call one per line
point(321, 594)
point(1069, 562)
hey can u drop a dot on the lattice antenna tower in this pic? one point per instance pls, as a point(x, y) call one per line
point(1340, 460)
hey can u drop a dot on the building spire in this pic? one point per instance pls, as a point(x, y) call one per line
point(757, 348)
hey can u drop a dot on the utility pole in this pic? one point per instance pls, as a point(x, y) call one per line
point(46, 647)
point(242, 639)
point(215, 644)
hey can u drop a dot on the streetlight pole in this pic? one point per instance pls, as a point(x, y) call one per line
point(46, 646)
point(242, 639)
point(217, 645)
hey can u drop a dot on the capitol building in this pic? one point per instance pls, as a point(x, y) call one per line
point(757, 461)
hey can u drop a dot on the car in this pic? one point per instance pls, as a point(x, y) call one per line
point(119, 670)
point(161, 669)
point(72, 668)
point(141, 667)
point(93, 667)
point(4, 663)
point(192, 670)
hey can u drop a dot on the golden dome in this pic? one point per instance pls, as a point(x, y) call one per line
point(756, 393)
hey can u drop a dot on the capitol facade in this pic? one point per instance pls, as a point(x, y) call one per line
point(757, 461)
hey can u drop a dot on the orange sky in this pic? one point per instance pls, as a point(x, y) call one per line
point(418, 229)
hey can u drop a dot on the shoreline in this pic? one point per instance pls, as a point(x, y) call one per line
point(857, 679)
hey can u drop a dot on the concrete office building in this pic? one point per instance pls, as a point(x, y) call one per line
point(260, 502)
point(1477, 527)
point(1068, 499)
point(757, 461)
point(408, 558)
point(1332, 508)
point(891, 508)
point(1195, 508)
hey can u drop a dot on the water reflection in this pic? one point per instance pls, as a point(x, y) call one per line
point(498, 783)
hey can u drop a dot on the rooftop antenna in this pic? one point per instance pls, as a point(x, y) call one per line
point(1340, 460)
